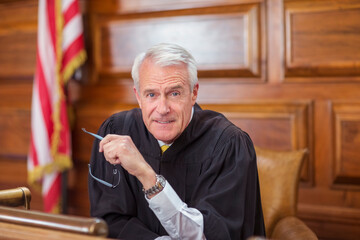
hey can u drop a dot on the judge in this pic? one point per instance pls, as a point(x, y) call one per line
point(170, 170)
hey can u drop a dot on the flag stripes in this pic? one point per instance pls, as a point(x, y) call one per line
point(60, 51)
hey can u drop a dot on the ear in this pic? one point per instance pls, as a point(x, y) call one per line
point(137, 96)
point(195, 93)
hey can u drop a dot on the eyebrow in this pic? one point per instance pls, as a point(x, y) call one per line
point(176, 87)
point(150, 90)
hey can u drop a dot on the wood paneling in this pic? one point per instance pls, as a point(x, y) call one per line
point(224, 53)
point(138, 6)
point(18, 29)
point(17, 39)
point(318, 44)
point(12, 231)
point(13, 174)
point(274, 125)
point(14, 128)
point(347, 144)
point(340, 223)
point(285, 71)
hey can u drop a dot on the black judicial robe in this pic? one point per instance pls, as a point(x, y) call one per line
point(211, 166)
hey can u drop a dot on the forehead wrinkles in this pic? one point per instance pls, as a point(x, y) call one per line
point(174, 77)
point(153, 74)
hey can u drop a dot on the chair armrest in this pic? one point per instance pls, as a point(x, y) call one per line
point(15, 197)
point(292, 228)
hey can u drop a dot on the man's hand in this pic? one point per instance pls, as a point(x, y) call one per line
point(120, 149)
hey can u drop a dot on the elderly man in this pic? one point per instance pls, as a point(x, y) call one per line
point(204, 186)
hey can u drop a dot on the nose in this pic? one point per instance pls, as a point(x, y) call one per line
point(163, 106)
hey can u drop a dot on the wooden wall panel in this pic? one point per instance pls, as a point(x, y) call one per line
point(226, 53)
point(285, 71)
point(11, 167)
point(14, 128)
point(347, 144)
point(139, 6)
point(318, 44)
point(325, 221)
point(17, 52)
point(18, 30)
point(274, 125)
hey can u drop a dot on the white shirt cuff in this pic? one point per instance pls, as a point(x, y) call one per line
point(166, 203)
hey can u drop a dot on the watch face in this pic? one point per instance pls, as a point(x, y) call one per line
point(161, 180)
point(158, 187)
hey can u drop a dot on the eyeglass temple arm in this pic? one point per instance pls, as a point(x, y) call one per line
point(102, 181)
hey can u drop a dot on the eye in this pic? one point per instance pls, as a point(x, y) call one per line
point(174, 94)
point(151, 95)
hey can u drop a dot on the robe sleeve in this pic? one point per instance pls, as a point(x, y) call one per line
point(228, 193)
point(117, 206)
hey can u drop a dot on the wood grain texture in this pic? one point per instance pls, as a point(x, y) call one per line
point(285, 71)
point(328, 48)
point(18, 232)
point(117, 40)
point(18, 28)
point(347, 144)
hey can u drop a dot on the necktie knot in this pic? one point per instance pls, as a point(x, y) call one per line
point(164, 148)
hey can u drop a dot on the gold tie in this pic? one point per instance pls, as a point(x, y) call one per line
point(164, 148)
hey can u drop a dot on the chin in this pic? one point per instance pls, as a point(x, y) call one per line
point(165, 139)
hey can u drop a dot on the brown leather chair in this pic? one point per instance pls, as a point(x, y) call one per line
point(279, 173)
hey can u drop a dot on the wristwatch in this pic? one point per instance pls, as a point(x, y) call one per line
point(158, 187)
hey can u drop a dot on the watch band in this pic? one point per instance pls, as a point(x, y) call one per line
point(158, 187)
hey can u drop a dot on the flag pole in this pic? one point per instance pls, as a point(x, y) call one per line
point(64, 192)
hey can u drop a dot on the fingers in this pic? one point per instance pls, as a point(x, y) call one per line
point(116, 147)
point(120, 149)
point(112, 153)
point(107, 139)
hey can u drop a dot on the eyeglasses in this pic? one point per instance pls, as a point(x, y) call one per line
point(115, 171)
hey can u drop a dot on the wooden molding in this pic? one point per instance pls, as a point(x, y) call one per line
point(238, 54)
point(331, 222)
point(346, 165)
point(320, 46)
point(277, 125)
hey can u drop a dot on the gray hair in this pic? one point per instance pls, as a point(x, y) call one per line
point(166, 54)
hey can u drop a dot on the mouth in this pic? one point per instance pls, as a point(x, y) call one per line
point(164, 122)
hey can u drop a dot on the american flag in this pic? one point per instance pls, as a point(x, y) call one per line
point(60, 51)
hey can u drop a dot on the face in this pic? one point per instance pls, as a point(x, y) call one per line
point(165, 99)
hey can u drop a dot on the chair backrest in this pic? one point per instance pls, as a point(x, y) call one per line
point(279, 173)
point(15, 197)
